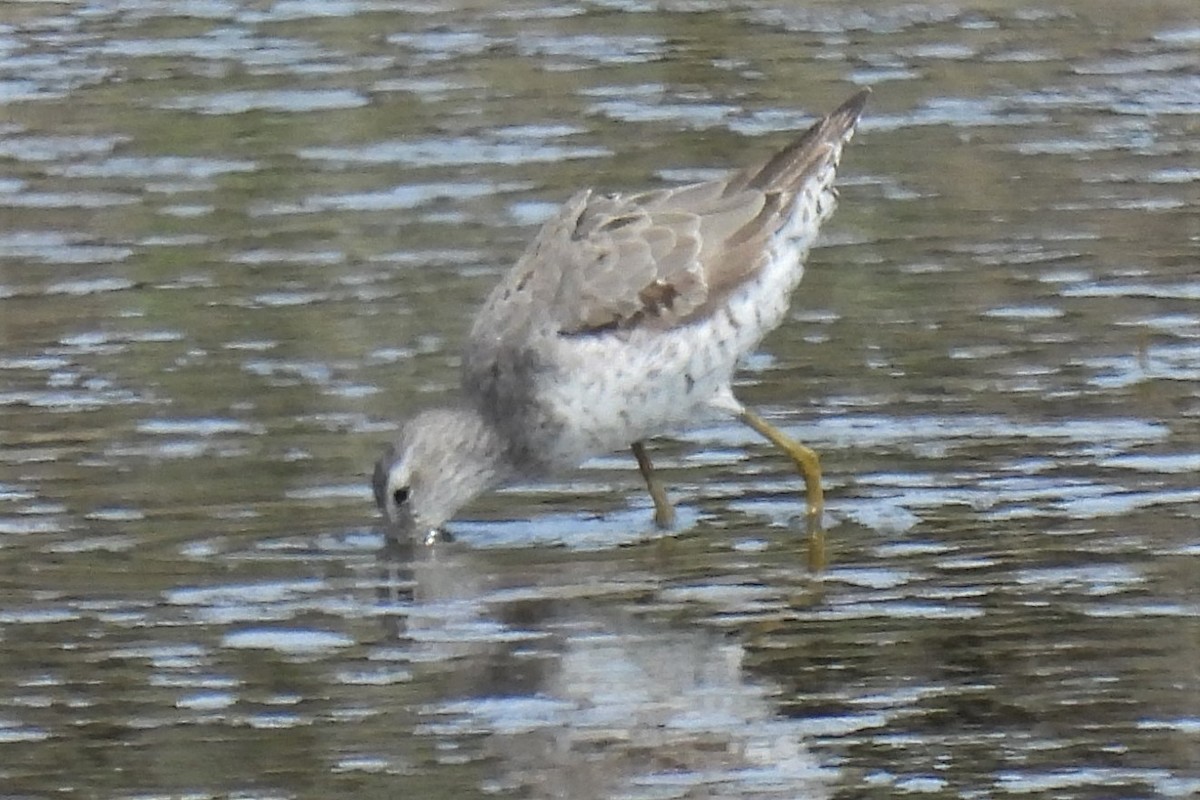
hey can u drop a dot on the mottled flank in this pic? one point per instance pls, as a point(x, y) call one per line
point(623, 320)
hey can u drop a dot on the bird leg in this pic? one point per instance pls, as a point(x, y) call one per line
point(664, 514)
point(808, 463)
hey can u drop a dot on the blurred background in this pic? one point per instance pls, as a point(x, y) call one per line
point(240, 240)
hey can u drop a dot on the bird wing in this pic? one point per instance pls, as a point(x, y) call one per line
point(609, 262)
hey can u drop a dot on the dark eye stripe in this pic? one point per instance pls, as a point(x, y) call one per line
point(400, 495)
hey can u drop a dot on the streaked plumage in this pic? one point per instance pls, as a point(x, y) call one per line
point(623, 320)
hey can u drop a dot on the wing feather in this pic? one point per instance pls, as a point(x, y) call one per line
point(607, 262)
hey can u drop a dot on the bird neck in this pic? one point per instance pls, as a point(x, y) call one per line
point(480, 449)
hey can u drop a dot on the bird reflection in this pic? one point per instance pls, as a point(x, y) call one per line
point(556, 680)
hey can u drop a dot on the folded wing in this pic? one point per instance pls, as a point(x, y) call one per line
point(609, 262)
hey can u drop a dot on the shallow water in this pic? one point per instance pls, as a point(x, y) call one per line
point(240, 240)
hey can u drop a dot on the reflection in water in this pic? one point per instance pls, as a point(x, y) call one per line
point(567, 691)
point(240, 239)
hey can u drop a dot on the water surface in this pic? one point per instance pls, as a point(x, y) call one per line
point(241, 240)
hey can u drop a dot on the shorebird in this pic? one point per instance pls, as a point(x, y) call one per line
point(624, 319)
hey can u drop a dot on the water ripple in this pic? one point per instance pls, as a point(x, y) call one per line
point(276, 100)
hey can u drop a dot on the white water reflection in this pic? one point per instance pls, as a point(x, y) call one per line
point(242, 240)
point(682, 697)
point(599, 702)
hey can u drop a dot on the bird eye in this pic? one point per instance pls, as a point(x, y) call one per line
point(400, 496)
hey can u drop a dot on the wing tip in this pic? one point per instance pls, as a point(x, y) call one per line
point(845, 117)
point(834, 129)
point(853, 107)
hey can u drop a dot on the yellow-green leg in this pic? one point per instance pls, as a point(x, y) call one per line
point(808, 463)
point(664, 514)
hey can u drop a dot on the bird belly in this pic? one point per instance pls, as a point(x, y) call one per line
point(604, 392)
